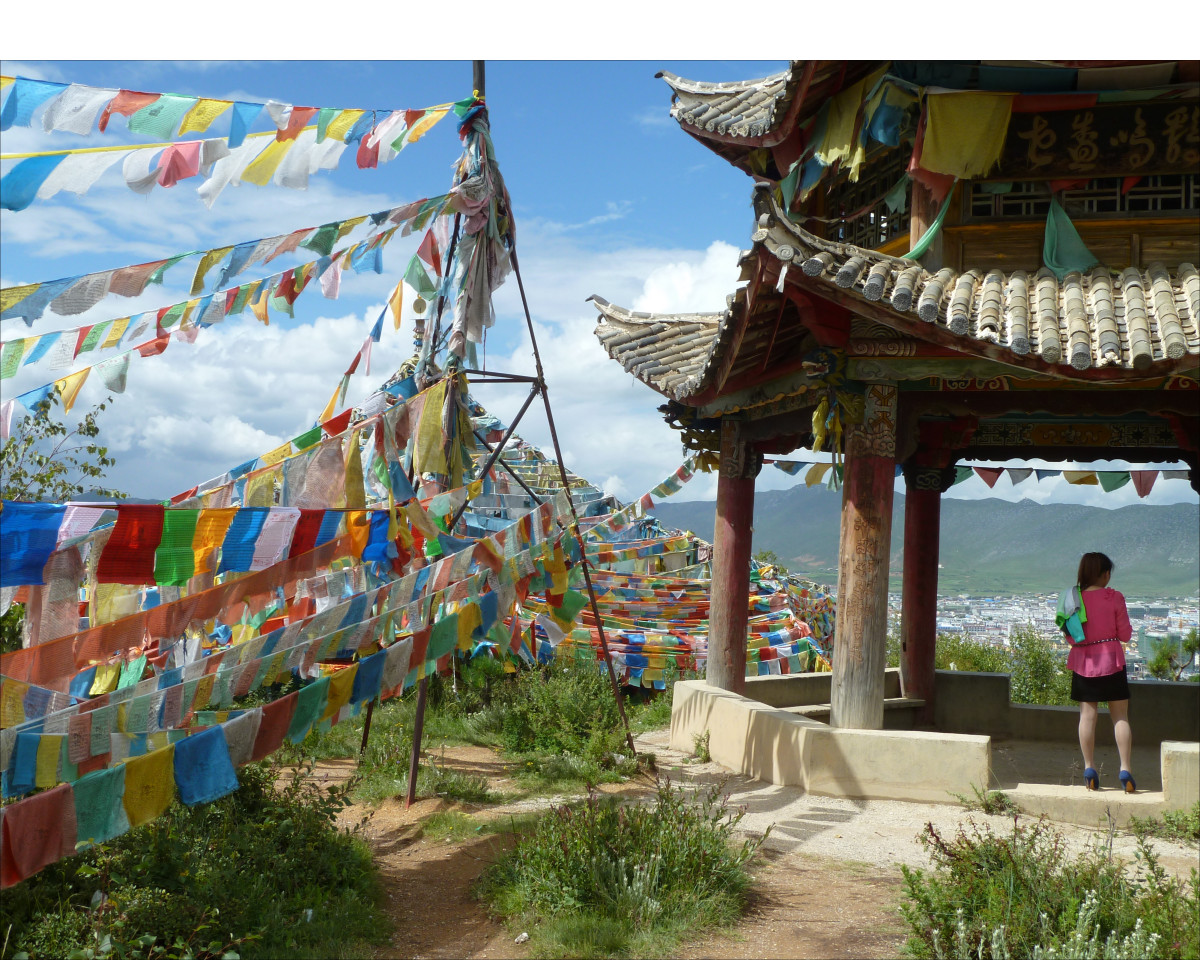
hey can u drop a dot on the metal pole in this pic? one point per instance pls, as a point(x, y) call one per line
point(583, 561)
point(497, 451)
point(510, 471)
point(418, 725)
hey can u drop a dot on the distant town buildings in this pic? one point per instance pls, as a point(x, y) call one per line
point(993, 620)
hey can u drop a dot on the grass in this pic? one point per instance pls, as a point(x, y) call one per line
point(987, 801)
point(601, 879)
point(1182, 826)
point(263, 872)
point(992, 895)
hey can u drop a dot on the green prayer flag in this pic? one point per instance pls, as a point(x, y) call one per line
point(443, 637)
point(573, 602)
point(95, 336)
point(160, 119)
point(131, 672)
point(961, 474)
point(10, 359)
point(173, 315)
point(306, 440)
point(416, 277)
point(99, 813)
point(174, 561)
point(310, 704)
point(930, 235)
point(323, 239)
point(1112, 479)
point(324, 118)
point(157, 276)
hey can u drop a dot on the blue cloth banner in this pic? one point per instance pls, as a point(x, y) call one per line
point(237, 551)
point(25, 97)
point(203, 769)
point(242, 115)
point(30, 535)
point(20, 185)
point(369, 679)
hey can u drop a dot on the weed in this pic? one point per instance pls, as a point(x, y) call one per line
point(451, 826)
point(700, 743)
point(585, 872)
point(987, 801)
point(1021, 895)
point(1179, 825)
point(232, 877)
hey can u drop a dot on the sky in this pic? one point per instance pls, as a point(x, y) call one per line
point(610, 198)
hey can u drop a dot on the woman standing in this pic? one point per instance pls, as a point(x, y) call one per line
point(1097, 665)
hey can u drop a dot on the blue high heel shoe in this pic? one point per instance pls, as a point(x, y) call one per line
point(1128, 782)
point(1091, 779)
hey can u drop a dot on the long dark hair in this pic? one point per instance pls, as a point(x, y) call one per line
point(1092, 566)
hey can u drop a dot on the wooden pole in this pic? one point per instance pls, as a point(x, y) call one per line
point(414, 762)
point(730, 585)
point(918, 616)
point(362, 751)
point(860, 643)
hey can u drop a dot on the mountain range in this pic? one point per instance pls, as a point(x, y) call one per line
point(988, 547)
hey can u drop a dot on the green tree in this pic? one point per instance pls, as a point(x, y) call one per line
point(1170, 656)
point(1039, 672)
point(46, 461)
point(772, 558)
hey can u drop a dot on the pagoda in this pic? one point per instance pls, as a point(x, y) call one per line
point(949, 260)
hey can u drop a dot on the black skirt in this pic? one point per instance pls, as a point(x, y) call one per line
point(1111, 686)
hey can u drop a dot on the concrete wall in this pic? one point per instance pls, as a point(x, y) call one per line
point(979, 703)
point(760, 741)
point(797, 689)
point(1180, 774)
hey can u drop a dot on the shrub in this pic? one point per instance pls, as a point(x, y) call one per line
point(1039, 673)
point(993, 896)
point(1179, 825)
point(236, 875)
point(562, 709)
point(587, 871)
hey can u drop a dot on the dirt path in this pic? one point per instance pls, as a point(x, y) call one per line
point(828, 880)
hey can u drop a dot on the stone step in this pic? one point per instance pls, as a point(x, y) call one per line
point(821, 711)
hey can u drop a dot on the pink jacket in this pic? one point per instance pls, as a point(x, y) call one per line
point(1107, 619)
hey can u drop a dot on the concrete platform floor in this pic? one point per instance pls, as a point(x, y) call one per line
point(1061, 765)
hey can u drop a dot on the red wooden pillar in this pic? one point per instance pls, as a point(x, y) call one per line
point(728, 607)
point(860, 641)
point(918, 614)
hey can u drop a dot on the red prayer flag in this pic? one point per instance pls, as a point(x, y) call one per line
point(337, 424)
point(128, 557)
point(1143, 481)
point(428, 251)
point(296, 121)
point(305, 536)
point(368, 156)
point(126, 103)
point(989, 474)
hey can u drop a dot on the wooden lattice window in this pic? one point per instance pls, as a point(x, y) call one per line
point(1030, 200)
point(879, 174)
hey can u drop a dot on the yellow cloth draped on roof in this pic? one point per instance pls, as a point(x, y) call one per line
point(964, 132)
point(841, 125)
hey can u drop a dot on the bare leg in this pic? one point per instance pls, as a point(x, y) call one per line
point(1087, 730)
point(1119, 711)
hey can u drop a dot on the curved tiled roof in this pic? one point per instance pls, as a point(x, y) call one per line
point(1131, 320)
point(667, 353)
point(743, 108)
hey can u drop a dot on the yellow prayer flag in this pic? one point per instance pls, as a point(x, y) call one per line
point(469, 617)
point(107, 675)
point(202, 114)
point(241, 632)
point(156, 741)
point(424, 125)
point(358, 525)
point(260, 489)
point(327, 413)
point(46, 770)
point(5, 81)
point(341, 685)
point(396, 304)
point(262, 169)
point(1081, 477)
point(10, 296)
point(115, 332)
point(210, 534)
point(259, 306)
point(341, 125)
point(816, 474)
point(272, 457)
point(207, 262)
point(12, 703)
point(204, 691)
point(68, 387)
point(149, 785)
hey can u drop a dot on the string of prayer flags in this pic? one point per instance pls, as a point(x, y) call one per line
point(78, 108)
point(73, 295)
